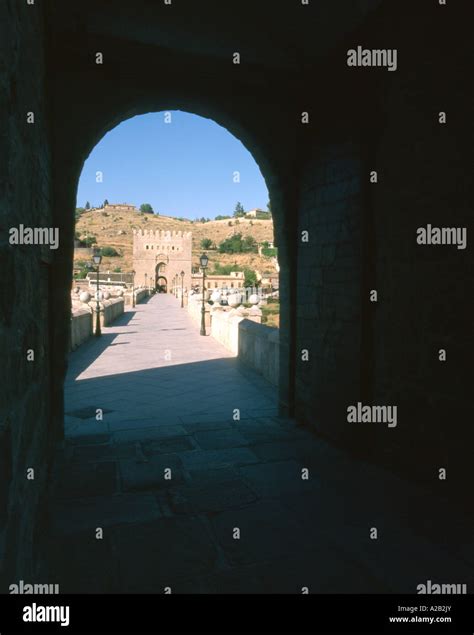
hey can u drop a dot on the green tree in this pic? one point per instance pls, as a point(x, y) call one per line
point(109, 252)
point(236, 245)
point(239, 210)
point(249, 244)
point(269, 252)
point(250, 278)
point(231, 245)
point(146, 208)
point(221, 217)
point(87, 205)
point(106, 202)
point(224, 270)
point(89, 241)
point(206, 243)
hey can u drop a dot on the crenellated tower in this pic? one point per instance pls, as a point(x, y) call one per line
point(162, 255)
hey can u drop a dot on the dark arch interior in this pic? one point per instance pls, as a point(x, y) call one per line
point(341, 236)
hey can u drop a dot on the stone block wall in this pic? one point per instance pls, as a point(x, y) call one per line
point(363, 237)
point(112, 309)
point(259, 348)
point(225, 329)
point(83, 320)
point(194, 309)
point(81, 327)
point(25, 197)
point(328, 288)
point(140, 296)
point(256, 345)
point(425, 177)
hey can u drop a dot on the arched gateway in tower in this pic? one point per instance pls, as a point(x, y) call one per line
point(160, 256)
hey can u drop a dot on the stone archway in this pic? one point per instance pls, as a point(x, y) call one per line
point(93, 129)
point(161, 284)
point(161, 279)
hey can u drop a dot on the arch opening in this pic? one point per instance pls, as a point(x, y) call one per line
point(165, 255)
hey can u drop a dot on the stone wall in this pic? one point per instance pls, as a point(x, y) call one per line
point(259, 347)
point(256, 345)
point(194, 307)
point(329, 282)
point(81, 327)
point(362, 238)
point(225, 329)
point(83, 319)
point(110, 310)
point(25, 197)
point(140, 296)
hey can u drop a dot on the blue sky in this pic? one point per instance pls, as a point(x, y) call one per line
point(183, 168)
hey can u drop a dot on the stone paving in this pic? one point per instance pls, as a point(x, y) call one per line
point(169, 476)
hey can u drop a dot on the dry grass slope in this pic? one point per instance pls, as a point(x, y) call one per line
point(115, 229)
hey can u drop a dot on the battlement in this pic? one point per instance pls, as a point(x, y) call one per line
point(162, 234)
point(147, 243)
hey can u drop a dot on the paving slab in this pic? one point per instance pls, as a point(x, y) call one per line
point(200, 459)
point(220, 439)
point(151, 473)
point(215, 497)
point(266, 533)
point(272, 479)
point(160, 553)
point(80, 514)
point(82, 480)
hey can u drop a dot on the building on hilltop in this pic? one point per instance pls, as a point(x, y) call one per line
point(120, 207)
point(258, 213)
point(159, 257)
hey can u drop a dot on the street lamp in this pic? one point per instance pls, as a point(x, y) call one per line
point(97, 259)
point(182, 289)
point(204, 262)
point(146, 276)
point(133, 288)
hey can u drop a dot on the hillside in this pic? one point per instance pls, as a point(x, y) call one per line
point(115, 229)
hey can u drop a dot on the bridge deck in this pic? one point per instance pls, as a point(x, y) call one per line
point(169, 476)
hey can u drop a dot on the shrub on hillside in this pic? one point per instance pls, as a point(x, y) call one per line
point(109, 252)
point(237, 245)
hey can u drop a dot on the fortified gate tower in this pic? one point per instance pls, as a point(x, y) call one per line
point(162, 255)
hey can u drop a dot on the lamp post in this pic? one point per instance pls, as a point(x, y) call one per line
point(182, 289)
point(146, 276)
point(133, 288)
point(203, 261)
point(97, 259)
